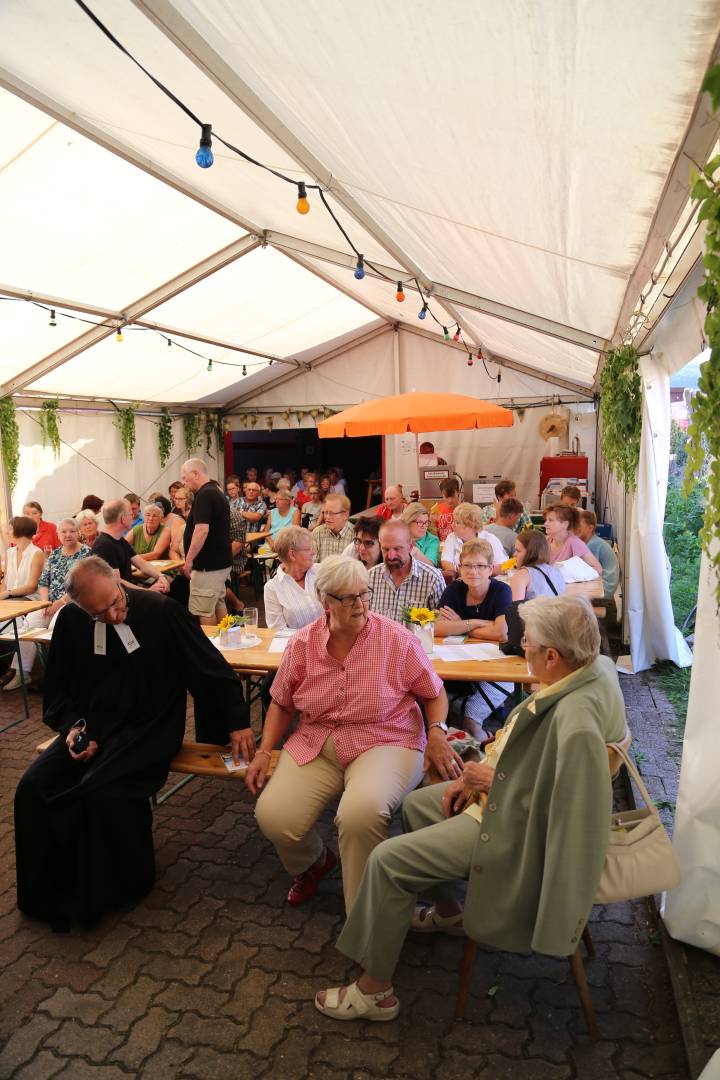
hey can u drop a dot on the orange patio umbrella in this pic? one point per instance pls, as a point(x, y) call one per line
point(415, 412)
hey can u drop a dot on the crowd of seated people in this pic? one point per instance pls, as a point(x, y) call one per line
point(356, 703)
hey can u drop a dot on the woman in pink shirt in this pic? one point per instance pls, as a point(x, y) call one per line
point(560, 524)
point(357, 679)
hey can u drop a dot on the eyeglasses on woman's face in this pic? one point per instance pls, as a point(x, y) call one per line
point(350, 601)
point(365, 543)
point(525, 644)
point(474, 567)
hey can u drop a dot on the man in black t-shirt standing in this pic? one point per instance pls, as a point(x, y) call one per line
point(208, 554)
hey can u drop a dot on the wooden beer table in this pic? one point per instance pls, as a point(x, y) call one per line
point(10, 611)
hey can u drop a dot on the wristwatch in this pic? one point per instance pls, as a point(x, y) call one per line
point(438, 723)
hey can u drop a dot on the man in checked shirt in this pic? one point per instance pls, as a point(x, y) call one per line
point(400, 581)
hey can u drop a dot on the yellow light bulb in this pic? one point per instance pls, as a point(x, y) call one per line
point(119, 336)
point(302, 205)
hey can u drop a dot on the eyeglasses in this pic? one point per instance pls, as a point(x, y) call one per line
point(474, 567)
point(364, 543)
point(525, 644)
point(422, 522)
point(119, 602)
point(334, 513)
point(349, 601)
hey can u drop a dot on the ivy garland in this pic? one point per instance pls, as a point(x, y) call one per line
point(49, 425)
point(621, 413)
point(704, 428)
point(125, 423)
point(165, 437)
point(191, 432)
point(9, 440)
point(210, 429)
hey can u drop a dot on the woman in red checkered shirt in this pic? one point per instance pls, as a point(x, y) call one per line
point(358, 681)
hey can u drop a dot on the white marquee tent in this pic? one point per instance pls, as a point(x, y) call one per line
point(524, 166)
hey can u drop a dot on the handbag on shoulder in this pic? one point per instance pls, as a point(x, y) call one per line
point(640, 859)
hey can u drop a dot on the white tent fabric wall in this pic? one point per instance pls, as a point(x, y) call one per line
point(692, 911)
point(653, 634)
point(92, 461)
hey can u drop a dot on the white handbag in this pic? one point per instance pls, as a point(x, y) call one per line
point(640, 859)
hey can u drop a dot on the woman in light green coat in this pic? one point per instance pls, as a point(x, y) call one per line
point(530, 846)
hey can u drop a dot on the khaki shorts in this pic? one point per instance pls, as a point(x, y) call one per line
point(207, 590)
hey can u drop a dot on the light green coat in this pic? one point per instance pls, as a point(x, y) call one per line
point(541, 845)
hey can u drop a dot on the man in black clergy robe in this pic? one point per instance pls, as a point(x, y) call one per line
point(122, 660)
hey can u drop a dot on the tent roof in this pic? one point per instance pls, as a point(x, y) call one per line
point(524, 165)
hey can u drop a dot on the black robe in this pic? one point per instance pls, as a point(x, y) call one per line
point(83, 831)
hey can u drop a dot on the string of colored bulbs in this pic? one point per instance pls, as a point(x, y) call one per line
point(205, 158)
point(54, 313)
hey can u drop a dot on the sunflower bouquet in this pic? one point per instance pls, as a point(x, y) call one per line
point(229, 623)
point(509, 564)
point(419, 616)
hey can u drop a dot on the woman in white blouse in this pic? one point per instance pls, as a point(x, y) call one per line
point(290, 597)
point(467, 525)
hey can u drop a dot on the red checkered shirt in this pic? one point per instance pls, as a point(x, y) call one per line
point(366, 700)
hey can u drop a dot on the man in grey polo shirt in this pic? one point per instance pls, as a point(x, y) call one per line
point(399, 581)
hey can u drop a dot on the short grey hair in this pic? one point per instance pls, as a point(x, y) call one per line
point(86, 515)
point(67, 521)
point(112, 511)
point(565, 623)
point(413, 511)
point(338, 575)
point(79, 573)
point(289, 539)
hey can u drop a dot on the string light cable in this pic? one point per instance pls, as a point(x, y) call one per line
point(204, 158)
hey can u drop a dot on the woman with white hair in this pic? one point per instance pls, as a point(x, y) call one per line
point(88, 524)
point(512, 853)
point(467, 525)
point(358, 681)
point(290, 597)
point(51, 586)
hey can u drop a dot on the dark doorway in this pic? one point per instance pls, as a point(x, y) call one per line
point(359, 459)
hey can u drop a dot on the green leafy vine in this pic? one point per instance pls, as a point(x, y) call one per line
point(9, 440)
point(49, 425)
point(703, 443)
point(621, 413)
point(191, 432)
point(165, 437)
point(125, 423)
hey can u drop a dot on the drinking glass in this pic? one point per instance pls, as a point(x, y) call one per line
point(251, 622)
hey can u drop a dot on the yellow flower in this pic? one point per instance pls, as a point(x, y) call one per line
point(509, 564)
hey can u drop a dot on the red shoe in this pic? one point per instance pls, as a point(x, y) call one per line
point(305, 885)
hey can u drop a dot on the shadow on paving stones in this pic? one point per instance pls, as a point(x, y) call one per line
point(213, 976)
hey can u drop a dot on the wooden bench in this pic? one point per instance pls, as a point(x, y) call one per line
point(193, 759)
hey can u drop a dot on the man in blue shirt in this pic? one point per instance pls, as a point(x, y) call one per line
point(134, 501)
point(607, 558)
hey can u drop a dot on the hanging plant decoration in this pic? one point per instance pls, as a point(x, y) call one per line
point(621, 413)
point(191, 433)
point(703, 442)
point(49, 426)
point(9, 440)
point(269, 421)
point(209, 429)
point(125, 423)
point(165, 437)
point(300, 416)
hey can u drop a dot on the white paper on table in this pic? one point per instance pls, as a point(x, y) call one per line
point(454, 639)
point(576, 570)
point(484, 650)
point(278, 644)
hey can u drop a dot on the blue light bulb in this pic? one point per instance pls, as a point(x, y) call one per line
point(422, 312)
point(204, 156)
point(360, 268)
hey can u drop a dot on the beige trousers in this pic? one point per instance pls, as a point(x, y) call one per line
point(372, 787)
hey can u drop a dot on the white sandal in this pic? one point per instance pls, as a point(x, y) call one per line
point(356, 1005)
point(427, 921)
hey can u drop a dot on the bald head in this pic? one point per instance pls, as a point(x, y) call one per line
point(113, 510)
point(194, 474)
point(394, 498)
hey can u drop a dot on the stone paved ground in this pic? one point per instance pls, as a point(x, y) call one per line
point(654, 725)
point(213, 976)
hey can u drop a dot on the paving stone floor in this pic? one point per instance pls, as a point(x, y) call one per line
point(213, 976)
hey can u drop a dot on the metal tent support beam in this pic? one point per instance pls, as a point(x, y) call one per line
point(129, 314)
